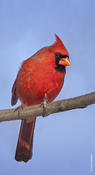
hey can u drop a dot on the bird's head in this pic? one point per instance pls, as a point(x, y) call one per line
point(60, 54)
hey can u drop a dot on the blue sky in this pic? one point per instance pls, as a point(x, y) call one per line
point(63, 142)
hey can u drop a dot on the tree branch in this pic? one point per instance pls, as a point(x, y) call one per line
point(54, 107)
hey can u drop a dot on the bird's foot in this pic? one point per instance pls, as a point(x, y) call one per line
point(44, 104)
point(19, 108)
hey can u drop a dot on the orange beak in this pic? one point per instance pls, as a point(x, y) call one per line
point(65, 62)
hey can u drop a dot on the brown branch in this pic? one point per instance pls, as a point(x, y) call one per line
point(54, 107)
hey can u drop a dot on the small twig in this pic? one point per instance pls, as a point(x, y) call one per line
point(54, 107)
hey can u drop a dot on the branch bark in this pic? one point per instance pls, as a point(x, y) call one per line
point(54, 107)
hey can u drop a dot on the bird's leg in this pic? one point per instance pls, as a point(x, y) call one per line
point(44, 104)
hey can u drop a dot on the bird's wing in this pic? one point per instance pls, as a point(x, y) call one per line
point(14, 97)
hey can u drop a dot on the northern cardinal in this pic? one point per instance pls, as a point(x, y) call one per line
point(41, 74)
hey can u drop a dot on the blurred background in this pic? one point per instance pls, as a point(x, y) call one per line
point(64, 143)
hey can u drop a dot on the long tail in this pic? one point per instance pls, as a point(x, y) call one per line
point(25, 140)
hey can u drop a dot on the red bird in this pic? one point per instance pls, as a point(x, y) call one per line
point(41, 74)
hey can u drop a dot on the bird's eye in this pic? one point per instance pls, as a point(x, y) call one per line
point(59, 56)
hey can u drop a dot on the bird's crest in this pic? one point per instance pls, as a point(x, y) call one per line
point(58, 40)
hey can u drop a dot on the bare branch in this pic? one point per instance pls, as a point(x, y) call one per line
point(54, 107)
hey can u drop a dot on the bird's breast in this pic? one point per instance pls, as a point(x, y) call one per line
point(34, 81)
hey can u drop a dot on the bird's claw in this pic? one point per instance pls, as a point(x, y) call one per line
point(19, 108)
